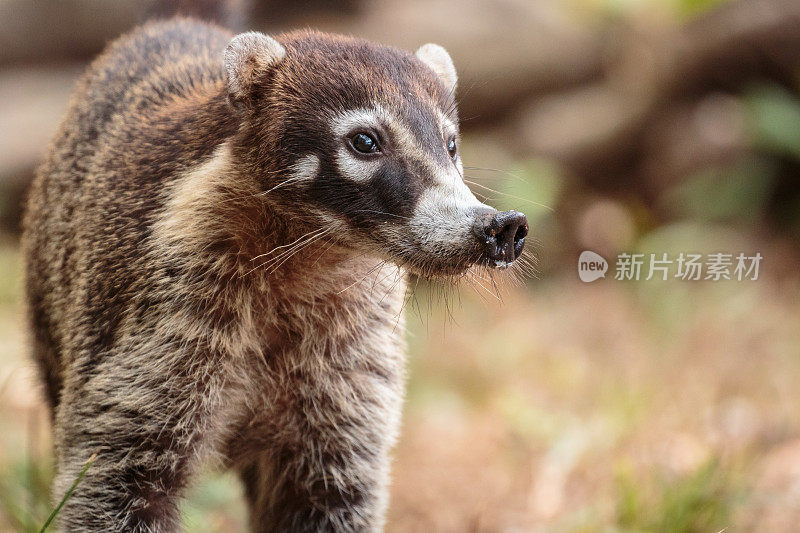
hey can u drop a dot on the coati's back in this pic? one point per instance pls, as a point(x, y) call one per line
point(149, 107)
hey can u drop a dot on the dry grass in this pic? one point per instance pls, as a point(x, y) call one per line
point(570, 407)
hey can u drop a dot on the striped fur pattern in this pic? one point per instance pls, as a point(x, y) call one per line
point(214, 275)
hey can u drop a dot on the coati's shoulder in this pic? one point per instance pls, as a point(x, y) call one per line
point(153, 66)
point(148, 108)
point(150, 105)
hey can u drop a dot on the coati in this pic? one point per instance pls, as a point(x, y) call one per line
point(216, 252)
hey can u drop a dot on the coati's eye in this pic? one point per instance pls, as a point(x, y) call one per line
point(364, 143)
point(452, 149)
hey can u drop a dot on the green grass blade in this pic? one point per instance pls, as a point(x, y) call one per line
point(68, 493)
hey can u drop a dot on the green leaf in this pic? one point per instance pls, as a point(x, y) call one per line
point(69, 492)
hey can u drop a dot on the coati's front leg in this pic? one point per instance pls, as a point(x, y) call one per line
point(149, 412)
point(324, 464)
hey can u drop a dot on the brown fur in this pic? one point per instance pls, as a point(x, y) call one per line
point(214, 268)
point(159, 343)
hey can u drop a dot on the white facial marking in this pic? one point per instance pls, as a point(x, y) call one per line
point(353, 168)
point(306, 167)
point(407, 143)
point(354, 121)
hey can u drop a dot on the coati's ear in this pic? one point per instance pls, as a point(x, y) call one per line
point(248, 57)
point(439, 61)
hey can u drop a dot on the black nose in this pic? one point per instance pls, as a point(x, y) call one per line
point(502, 235)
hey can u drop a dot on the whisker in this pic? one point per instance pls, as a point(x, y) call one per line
point(380, 213)
point(498, 171)
point(509, 195)
point(297, 246)
point(281, 184)
point(285, 245)
point(481, 285)
point(330, 244)
point(273, 269)
point(370, 271)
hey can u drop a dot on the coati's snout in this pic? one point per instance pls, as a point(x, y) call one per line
point(502, 235)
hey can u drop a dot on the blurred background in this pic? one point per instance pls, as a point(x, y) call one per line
point(633, 126)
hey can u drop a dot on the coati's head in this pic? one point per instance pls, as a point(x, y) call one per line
point(361, 141)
